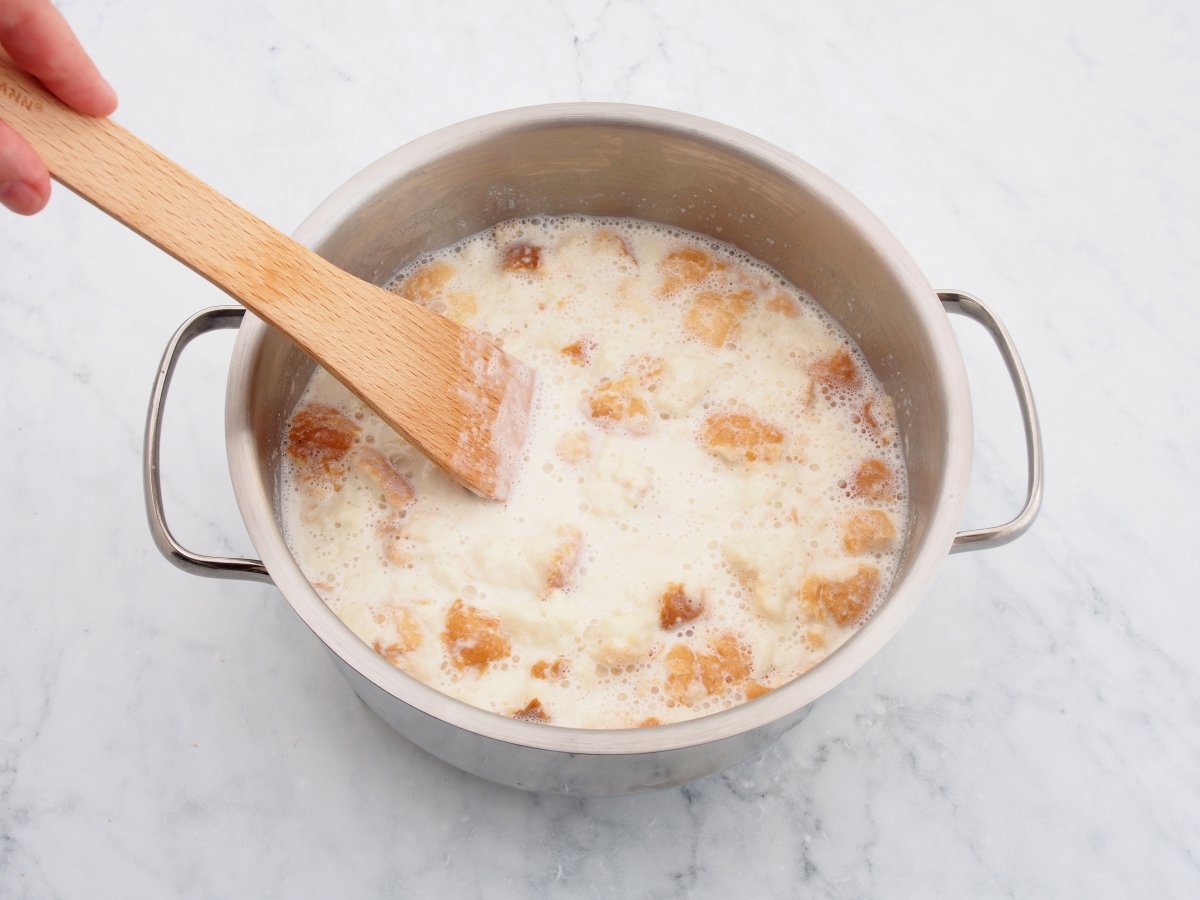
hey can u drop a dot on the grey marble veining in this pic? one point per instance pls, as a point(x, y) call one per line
point(1034, 729)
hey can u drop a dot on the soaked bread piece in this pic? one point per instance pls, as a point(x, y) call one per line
point(837, 371)
point(403, 633)
point(868, 531)
point(533, 712)
point(574, 446)
point(714, 317)
point(579, 351)
point(687, 267)
point(426, 283)
point(564, 559)
point(753, 690)
point(428, 286)
point(624, 401)
point(692, 675)
point(607, 240)
point(473, 639)
point(521, 257)
point(842, 601)
point(680, 665)
point(676, 607)
point(397, 492)
point(396, 545)
point(728, 664)
point(739, 437)
point(551, 671)
point(318, 439)
point(873, 480)
point(878, 418)
point(781, 303)
point(461, 307)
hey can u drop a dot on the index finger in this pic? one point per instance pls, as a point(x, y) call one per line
point(40, 41)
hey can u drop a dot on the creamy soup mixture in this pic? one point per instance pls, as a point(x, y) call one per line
point(710, 501)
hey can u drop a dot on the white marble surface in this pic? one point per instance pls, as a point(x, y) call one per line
point(1033, 731)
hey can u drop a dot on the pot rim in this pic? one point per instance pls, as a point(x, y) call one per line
point(267, 535)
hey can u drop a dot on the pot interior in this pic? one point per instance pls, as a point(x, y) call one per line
point(606, 160)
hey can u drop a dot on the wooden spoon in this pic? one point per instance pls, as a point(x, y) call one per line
point(454, 394)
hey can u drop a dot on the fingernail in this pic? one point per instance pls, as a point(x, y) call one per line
point(21, 198)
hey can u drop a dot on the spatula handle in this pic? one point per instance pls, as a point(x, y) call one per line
point(135, 184)
point(453, 394)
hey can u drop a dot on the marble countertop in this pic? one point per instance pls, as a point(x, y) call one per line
point(1033, 731)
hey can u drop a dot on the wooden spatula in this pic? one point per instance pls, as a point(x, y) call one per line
point(455, 395)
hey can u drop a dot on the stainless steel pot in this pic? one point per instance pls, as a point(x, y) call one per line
point(613, 160)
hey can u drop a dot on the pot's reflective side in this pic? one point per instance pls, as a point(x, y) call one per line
point(564, 771)
point(603, 159)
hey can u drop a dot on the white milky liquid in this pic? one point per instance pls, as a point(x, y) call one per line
point(705, 441)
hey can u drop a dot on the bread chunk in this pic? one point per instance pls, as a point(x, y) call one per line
point(606, 240)
point(473, 639)
point(842, 601)
point(753, 690)
point(551, 671)
point(727, 665)
point(533, 712)
point(461, 307)
point(873, 480)
point(403, 635)
point(868, 531)
point(564, 559)
point(427, 286)
point(738, 437)
point(879, 423)
point(521, 257)
point(836, 371)
point(686, 267)
point(319, 439)
point(691, 675)
point(574, 446)
point(396, 489)
point(714, 317)
point(680, 664)
point(621, 403)
point(579, 351)
point(676, 606)
point(424, 285)
point(783, 304)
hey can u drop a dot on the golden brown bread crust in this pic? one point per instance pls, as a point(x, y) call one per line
point(521, 257)
point(868, 531)
point(565, 559)
point(473, 639)
point(841, 601)
point(397, 492)
point(740, 437)
point(318, 439)
point(835, 372)
point(676, 607)
point(713, 317)
point(873, 480)
point(686, 267)
point(533, 712)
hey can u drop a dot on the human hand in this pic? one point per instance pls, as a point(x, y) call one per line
point(40, 41)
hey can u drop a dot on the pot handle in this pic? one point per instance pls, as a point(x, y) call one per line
point(963, 304)
point(202, 322)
